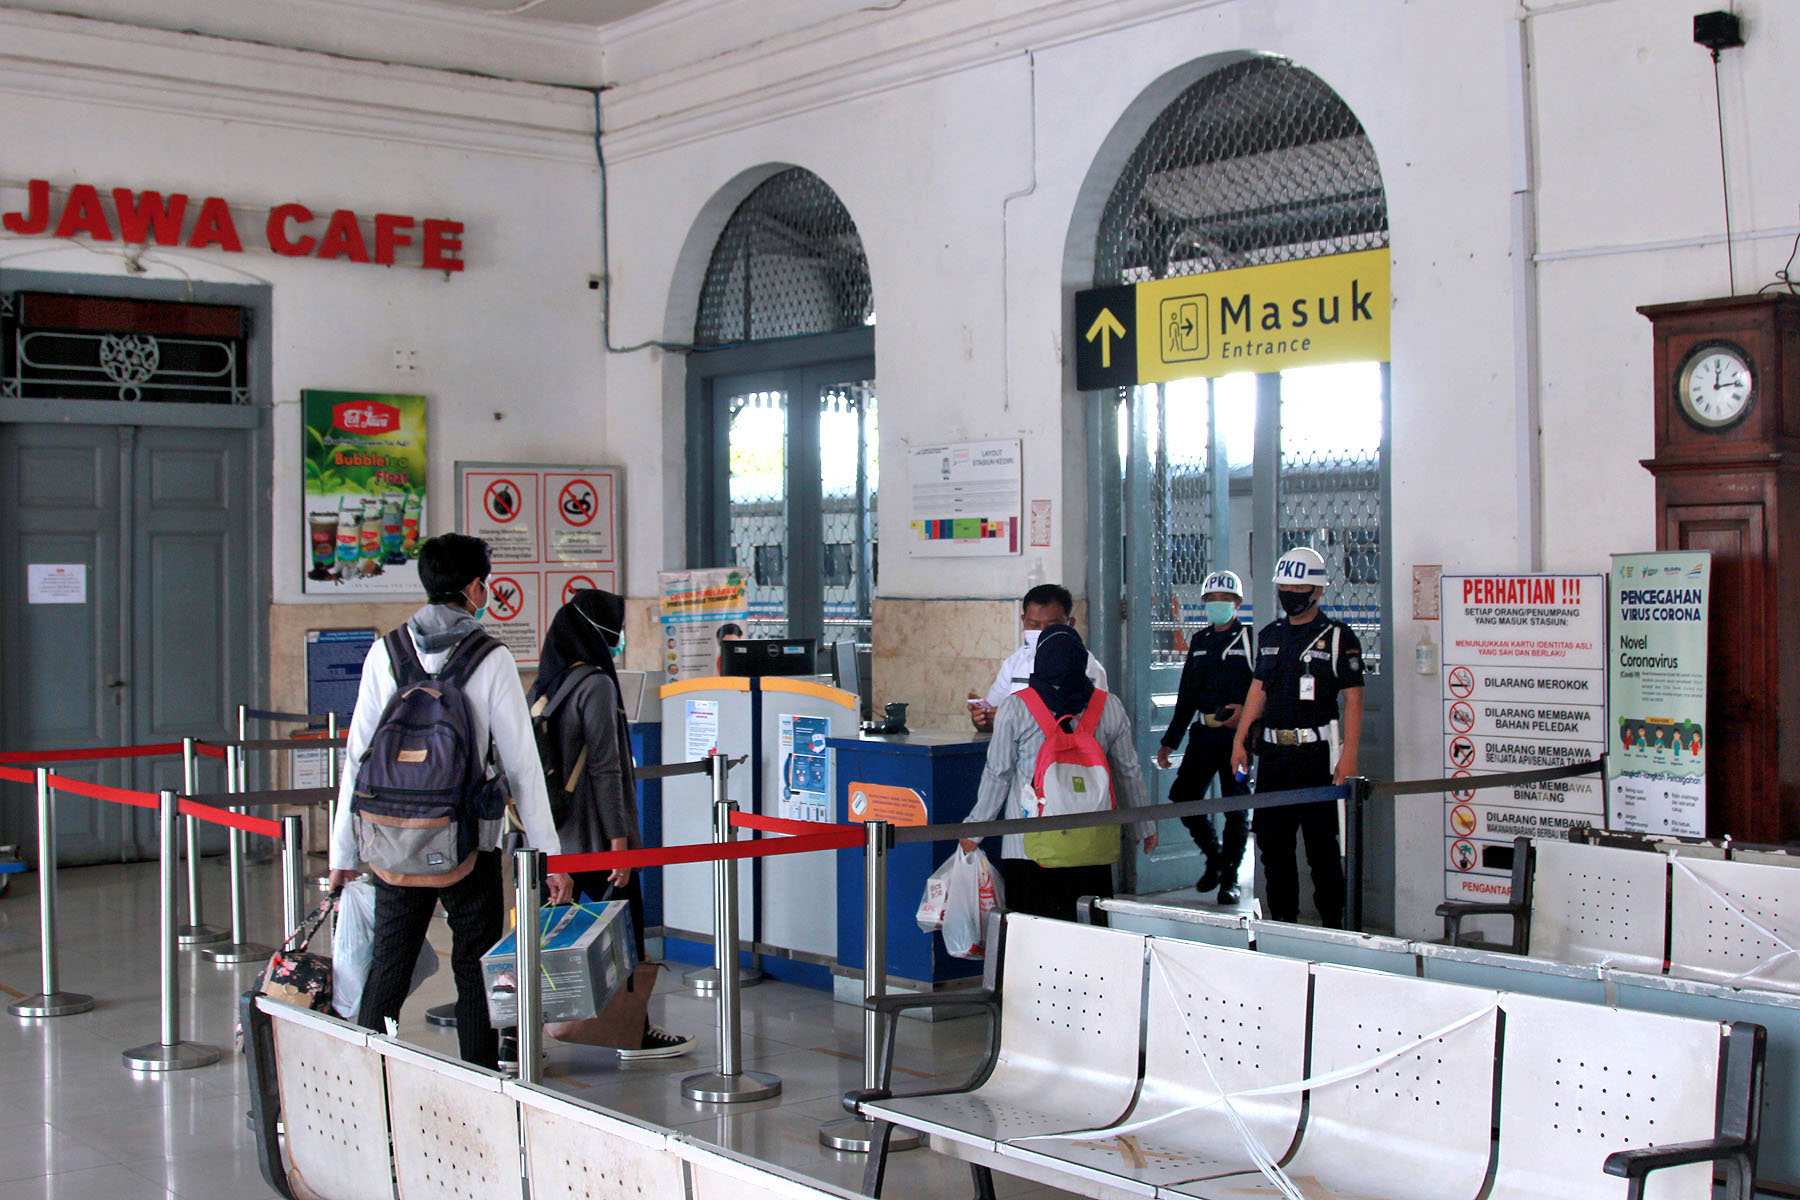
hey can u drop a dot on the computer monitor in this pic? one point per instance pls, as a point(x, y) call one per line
point(769, 656)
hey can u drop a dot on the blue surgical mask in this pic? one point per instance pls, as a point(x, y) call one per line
point(1219, 612)
point(618, 647)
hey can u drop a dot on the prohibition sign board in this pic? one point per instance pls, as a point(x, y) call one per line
point(577, 502)
point(506, 597)
point(1466, 794)
point(1462, 717)
point(1462, 752)
point(1462, 854)
point(577, 583)
point(501, 501)
point(1462, 682)
point(1462, 820)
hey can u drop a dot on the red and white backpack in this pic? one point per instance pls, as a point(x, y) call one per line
point(1071, 776)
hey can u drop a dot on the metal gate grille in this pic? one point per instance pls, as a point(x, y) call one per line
point(788, 263)
point(757, 454)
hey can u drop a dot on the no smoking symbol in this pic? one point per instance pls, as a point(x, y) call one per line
point(578, 583)
point(1462, 717)
point(1462, 682)
point(1462, 752)
point(501, 500)
point(505, 598)
point(578, 502)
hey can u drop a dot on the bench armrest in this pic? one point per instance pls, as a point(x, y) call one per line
point(894, 1002)
point(1454, 911)
point(1736, 1152)
point(887, 1010)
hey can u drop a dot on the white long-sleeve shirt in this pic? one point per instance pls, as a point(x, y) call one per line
point(496, 706)
point(1015, 674)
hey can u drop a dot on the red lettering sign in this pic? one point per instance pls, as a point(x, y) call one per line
point(365, 416)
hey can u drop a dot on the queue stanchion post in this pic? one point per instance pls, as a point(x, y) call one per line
point(857, 1134)
point(528, 900)
point(730, 1084)
point(1355, 810)
point(169, 1052)
point(240, 948)
point(196, 932)
point(704, 981)
point(52, 1001)
point(293, 871)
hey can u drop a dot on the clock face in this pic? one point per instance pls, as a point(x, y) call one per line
point(1716, 385)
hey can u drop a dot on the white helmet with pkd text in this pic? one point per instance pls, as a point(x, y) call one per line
point(1301, 567)
point(1223, 581)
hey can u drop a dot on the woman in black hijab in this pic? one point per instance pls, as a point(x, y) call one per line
point(596, 807)
point(1080, 861)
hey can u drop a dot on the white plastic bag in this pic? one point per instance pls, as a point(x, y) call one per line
point(973, 892)
point(353, 950)
point(931, 904)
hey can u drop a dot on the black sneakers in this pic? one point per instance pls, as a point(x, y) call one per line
point(1229, 894)
point(1209, 879)
point(659, 1043)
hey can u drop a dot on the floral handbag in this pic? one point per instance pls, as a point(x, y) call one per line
point(295, 975)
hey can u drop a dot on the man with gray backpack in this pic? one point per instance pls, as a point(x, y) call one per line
point(441, 738)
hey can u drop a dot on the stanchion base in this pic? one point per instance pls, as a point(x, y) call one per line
point(55, 1004)
point(237, 952)
point(705, 981)
point(443, 1016)
point(195, 935)
point(856, 1135)
point(741, 1088)
point(182, 1056)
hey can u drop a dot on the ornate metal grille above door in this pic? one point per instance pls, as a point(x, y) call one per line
point(57, 347)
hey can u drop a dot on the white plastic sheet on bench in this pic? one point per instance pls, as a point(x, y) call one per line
point(573, 1152)
point(333, 1105)
point(1070, 1006)
point(456, 1132)
point(1579, 1081)
point(1710, 942)
point(1247, 1016)
point(1415, 1128)
point(1598, 904)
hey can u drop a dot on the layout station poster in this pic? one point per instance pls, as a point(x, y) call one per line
point(1524, 676)
point(363, 495)
point(553, 530)
point(966, 499)
point(1657, 769)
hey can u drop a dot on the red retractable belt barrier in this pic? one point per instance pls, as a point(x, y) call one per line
point(50, 756)
point(743, 820)
point(16, 776)
point(205, 750)
point(664, 856)
point(222, 816)
point(63, 783)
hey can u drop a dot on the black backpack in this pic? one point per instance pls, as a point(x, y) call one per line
point(559, 783)
point(424, 799)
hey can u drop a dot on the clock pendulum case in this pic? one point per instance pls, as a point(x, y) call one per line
point(1727, 466)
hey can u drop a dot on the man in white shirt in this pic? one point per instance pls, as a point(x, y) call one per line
point(1044, 605)
point(454, 570)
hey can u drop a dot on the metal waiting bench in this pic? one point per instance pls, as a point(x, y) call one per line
point(343, 1114)
point(1359, 1083)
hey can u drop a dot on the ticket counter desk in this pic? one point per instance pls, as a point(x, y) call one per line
point(921, 778)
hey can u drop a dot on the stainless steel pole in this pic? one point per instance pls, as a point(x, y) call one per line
point(52, 1001)
point(704, 981)
point(528, 899)
point(196, 931)
point(856, 1134)
point(239, 948)
point(169, 1052)
point(730, 1084)
point(293, 870)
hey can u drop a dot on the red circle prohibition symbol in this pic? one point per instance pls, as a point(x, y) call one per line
point(1462, 752)
point(1462, 717)
point(578, 583)
point(1462, 682)
point(578, 502)
point(1462, 854)
point(1462, 819)
point(505, 597)
point(501, 501)
point(1464, 796)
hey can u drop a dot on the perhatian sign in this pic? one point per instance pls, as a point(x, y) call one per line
point(1524, 688)
point(1305, 313)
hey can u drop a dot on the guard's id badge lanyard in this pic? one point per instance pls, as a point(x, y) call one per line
point(1309, 686)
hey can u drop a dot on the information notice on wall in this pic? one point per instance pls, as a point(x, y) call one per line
point(966, 499)
point(553, 530)
point(1524, 688)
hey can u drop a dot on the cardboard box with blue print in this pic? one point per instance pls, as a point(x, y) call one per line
point(586, 954)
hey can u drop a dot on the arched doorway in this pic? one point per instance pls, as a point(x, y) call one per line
point(782, 414)
point(1255, 162)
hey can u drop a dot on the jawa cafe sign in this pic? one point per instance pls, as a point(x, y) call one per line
point(292, 230)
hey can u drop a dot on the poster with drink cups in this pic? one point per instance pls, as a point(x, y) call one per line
point(363, 494)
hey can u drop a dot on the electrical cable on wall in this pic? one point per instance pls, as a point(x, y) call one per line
point(1719, 31)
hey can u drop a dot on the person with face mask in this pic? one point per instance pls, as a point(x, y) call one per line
point(1214, 681)
point(596, 809)
point(1045, 605)
point(1305, 661)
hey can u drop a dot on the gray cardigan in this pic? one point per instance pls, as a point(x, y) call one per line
point(604, 803)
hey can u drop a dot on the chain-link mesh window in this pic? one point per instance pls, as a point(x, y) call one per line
point(1258, 162)
point(789, 263)
point(757, 454)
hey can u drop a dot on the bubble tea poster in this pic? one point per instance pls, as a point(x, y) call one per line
point(364, 492)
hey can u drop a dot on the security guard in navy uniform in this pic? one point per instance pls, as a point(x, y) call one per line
point(1304, 662)
point(1214, 681)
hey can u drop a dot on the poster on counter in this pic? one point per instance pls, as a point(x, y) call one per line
point(363, 492)
point(805, 768)
point(702, 729)
point(1524, 687)
point(697, 607)
point(552, 529)
point(1657, 720)
point(967, 498)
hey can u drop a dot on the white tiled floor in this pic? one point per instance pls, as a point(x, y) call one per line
point(74, 1123)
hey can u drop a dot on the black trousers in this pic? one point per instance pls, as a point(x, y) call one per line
point(476, 907)
point(1209, 754)
point(1051, 891)
point(1280, 768)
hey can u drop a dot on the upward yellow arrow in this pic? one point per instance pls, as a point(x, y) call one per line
point(1106, 327)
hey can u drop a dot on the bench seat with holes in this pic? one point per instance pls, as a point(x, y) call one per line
point(1265, 1076)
